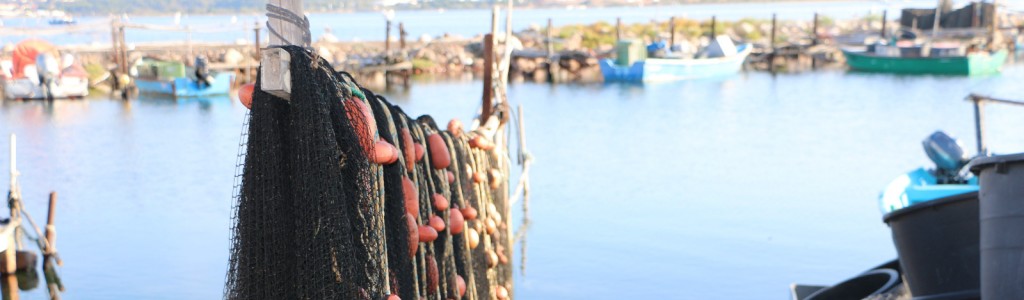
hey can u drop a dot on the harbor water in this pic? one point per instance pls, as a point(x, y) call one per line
point(719, 189)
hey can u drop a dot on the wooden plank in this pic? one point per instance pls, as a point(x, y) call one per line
point(275, 77)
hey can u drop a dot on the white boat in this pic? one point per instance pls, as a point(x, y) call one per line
point(34, 72)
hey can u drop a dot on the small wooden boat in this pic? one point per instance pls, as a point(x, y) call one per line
point(175, 80)
point(977, 63)
point(34, 72)
point(729, 61)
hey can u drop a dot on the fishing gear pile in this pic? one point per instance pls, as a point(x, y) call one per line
point(344, 196)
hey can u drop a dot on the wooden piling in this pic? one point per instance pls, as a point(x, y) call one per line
point(488, 76)
point(51, 230)
point(713, 27)
point(672, 32)
point(256, 41)
point(115, 52)
point(387, 39)
point(771, 42)
point(618, 30)
point(547, 42)
point(814, 30)
point(401, 35)
point(885, 15)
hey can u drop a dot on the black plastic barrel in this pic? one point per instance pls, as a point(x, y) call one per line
point(1002, 225)
point(866, 284)
point(937, 243)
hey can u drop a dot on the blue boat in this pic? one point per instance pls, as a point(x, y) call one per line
point(172, 78)
point(631, 69)
point(186, 86)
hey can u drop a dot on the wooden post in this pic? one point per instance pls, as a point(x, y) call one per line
point(256, 41)
point(672, 32)
point(51, 230)
point(547, 43)
point(618, 30)
point(387, 39)
point(814, 30)
point(508, 21)
point(771, 42)
point(401, 36)
point(885, 16)
point(488, 98)
point(115, 53)
point(494, 20)
point(713, 25)
point(275, 77)
point(937, 23)
point(124, 49)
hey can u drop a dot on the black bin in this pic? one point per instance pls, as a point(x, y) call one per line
point(1002, 225)
point(937, 243)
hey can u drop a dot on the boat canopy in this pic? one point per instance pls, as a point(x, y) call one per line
point(25, 54)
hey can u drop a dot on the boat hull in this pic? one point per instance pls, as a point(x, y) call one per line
point(185, 87)
point(655, 69)
point(65, 87)
point(973, 64)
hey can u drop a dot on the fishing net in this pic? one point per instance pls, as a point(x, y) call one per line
point(339, 193)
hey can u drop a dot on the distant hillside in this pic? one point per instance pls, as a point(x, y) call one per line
point(105, 7)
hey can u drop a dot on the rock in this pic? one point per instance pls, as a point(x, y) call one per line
point(233, 57)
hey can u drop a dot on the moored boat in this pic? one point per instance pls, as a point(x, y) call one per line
point(977, 63)
point(174, 79)
point(721, 58)
point(35, 72)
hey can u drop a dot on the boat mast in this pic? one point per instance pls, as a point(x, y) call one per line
point(938, 16)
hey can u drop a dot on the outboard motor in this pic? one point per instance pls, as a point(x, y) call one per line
point(203, 78)
point(48, 69)
point(948, 155)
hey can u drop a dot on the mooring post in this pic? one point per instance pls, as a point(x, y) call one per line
point(771, 43)
point(618, 30)
point(885, 16)
point(814, 30)
point(387, 39)
point(51, 230)
point(547, 43)
point(401, 36)
point(256, 39)
point(488, 98)
point(713, 27)
point(672, 32)
point(115, 52)
point(275, 63)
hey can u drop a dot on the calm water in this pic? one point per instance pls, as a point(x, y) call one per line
point(725, 189)
point(363, 26)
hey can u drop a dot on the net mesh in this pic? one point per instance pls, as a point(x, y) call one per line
point(319, 215)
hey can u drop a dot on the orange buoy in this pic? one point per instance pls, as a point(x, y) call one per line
point(439, 156)
point(501, 292)
point(245, 94)
point(384, 153)
point(492, 259)
point(495, 178)
point(474, 238)
point(410, 221)
point(491, 226)
point(427, 234)
point(480, 142)
point(412, 202)
point(432, 274)
point(440, 203)
point(408, 149)
point(456, 223)
point(437, 223)
point(461, 284)
point(451, 176)
point(419, 151)
point(362, 120)
point(455, 127)
point(479, 177)
point(469, 212)
point(393, 297)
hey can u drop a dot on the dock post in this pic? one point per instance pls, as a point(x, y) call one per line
point(814, 30)
point(488, 97)
point(51, 230)
point(672, 32)
point(714, 24)
point(387, 40)
point(771, 43)
point(885, 16)
point(618, 30)
point(547, 43)
point(256, 41)
point(401, 36)
point(275, 63)
point(115, 53)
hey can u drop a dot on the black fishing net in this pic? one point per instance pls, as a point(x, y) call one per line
point(321, 209)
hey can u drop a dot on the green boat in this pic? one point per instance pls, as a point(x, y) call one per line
point(971, 64)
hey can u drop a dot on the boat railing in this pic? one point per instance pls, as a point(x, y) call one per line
point(979, 117)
